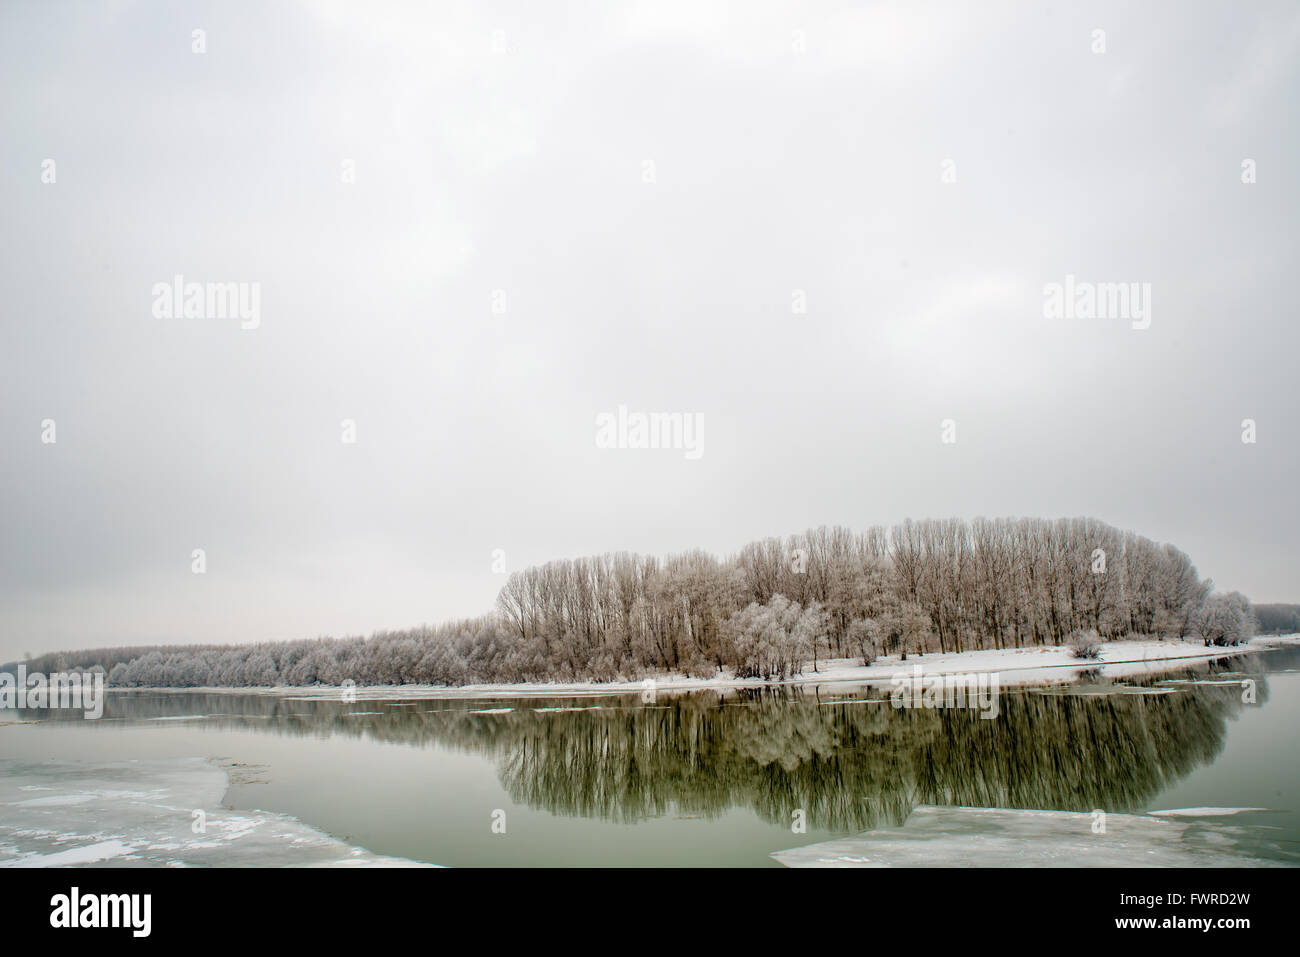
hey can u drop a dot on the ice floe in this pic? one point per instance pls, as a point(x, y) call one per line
point(1205, 811)
point(143, 813)
point(1002, 837)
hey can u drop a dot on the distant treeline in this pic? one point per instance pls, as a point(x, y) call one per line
point(776, 608)
point(1278, 619)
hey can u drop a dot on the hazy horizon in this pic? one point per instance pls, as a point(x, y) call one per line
point(822, 229)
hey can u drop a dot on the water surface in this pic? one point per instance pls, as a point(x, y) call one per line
point(710, 778)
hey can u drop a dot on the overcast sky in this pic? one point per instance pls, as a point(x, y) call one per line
point(646, 185)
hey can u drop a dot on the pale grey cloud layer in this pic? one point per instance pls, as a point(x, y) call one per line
point(504, 147)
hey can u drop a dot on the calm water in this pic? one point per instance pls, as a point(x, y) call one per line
point(708, 778)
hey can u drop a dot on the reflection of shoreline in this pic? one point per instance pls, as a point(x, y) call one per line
point(1014, 666)
point(1103, 743)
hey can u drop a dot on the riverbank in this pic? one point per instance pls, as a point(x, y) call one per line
point(1012, 665)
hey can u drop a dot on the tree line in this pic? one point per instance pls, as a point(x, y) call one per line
point(776, 608)
point(1278, 619)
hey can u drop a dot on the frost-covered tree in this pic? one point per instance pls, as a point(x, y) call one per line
point(864, 636)
point(773, 639)
point(1225, 618)
point(929, 585)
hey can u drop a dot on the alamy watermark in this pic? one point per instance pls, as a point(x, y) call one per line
point(83, 690)
point(651, 430)
point(75, 909)
point(1074, 299)
point(179, 299)
point(919, 690)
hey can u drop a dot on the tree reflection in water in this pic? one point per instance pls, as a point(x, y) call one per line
point(850, 761)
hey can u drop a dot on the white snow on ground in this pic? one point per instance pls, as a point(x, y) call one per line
point(1013, 665)
point(140, 813)
point(1001, 837)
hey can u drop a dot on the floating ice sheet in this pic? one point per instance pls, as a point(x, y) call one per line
point(141, 813)
point(1206, 811)
point(1000, 837)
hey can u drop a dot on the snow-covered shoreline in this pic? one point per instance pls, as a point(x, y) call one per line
point(1013, 665)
